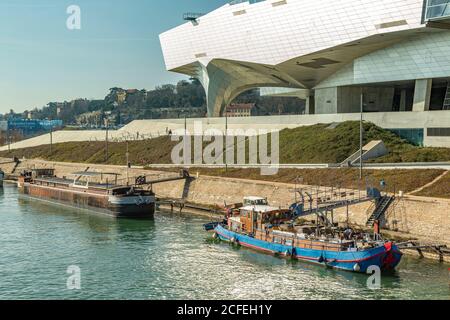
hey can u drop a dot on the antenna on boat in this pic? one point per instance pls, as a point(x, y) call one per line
point(128, 163)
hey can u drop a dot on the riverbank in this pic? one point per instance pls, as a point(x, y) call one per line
point(324, 144)
point(424, 219)
point(170, 256)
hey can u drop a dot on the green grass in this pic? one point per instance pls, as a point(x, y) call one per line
point(396, 180)
point(439, 189)
point(141, 152)
point(311, 144)
point(318, 144)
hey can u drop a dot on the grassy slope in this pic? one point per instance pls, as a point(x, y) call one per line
point(396, 180)
point(440, 189)
point(317, 144)
point(141, 152)
point(312, 144)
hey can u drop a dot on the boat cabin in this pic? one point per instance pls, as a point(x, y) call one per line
point(30, 175)
point(261, 221)
point(255, 215)
point(83, 180)
point(255, 201)
point(97, 182)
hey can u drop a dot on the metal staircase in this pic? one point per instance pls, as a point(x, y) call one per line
point(447, 98)
point(381, 208)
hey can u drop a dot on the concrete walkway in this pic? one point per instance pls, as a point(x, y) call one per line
point(145, 129)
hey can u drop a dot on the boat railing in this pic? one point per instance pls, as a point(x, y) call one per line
point(68, 185)
point(301, 241)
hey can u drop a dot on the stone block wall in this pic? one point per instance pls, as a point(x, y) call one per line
point(426, 219)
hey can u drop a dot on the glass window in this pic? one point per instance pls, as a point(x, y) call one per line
point(437, 9)
point(414, 136)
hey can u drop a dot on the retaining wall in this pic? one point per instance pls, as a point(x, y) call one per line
point(426, 219)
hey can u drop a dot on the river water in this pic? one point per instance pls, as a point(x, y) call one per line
point(169, 258)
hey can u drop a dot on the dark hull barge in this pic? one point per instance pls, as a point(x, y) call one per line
point(105, 198)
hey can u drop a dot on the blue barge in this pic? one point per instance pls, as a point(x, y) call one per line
point(271, 230)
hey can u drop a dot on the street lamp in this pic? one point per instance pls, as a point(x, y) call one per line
point(106, 140)
point(361, 133)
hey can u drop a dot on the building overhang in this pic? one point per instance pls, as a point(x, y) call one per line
point(308, 71)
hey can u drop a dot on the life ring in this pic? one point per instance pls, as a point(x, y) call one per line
point(389, 259)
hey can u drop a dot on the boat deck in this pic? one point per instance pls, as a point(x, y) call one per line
point(292, 239)
point(68, 184)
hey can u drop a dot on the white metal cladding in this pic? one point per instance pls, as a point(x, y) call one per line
point(267, 33)
point(425, 56)
point(307, 44)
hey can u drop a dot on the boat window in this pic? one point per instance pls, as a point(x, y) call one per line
point(121, 191)
point(261, 202)
point(245, 214)
point(255, 202)
point(81, 184)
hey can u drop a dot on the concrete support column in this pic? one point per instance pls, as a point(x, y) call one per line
point(310, 105)
point(326, 100)
point(403, 100)
point(422, 95)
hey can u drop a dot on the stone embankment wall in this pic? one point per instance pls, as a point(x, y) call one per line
point(426, 219)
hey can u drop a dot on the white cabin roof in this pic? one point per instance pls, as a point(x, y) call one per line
point(260, 208)
point(251, 198)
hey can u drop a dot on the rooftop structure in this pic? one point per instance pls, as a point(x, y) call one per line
point(393, 53)
point(240, 110)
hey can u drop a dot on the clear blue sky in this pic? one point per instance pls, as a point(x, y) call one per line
point(42, 61)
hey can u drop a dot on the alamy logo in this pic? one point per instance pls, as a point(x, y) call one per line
point(74, 280)
point(73, 22)
point(374, 281)
point(215, 147)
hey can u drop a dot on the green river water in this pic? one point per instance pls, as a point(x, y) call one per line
point(169, 258)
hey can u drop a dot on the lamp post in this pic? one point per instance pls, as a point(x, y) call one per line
point(106, 141)
point(9, 139)
point(226, 142)
point(361, 129)
point(128, 164)
point(51, 140)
